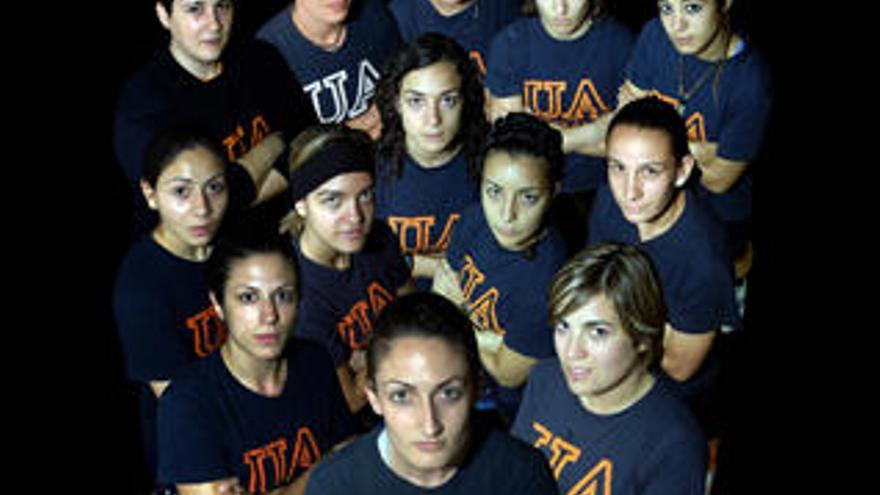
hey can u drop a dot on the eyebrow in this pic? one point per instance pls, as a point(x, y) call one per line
point(410, 386)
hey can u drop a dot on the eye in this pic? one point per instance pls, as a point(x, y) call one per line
point(180, 192)
point(561, 327)
point(224, 6)
point(398, 396)
point(194, 8)
point(452, 393)
point(530, 198)
point(665, 8)
point(331, 200)
point(414, 102)
point(693, 8)
point(216, 187)
point(285, 295)
point(493, 191)
point(615, 166)
point(366, 195)
point(449, 100)
point(599, 333)
point(248, 297)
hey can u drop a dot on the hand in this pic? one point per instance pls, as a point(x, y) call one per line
point(446, 283)
point(369, 121)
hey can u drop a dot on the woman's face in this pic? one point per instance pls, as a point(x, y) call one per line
point(693, 26)
point(643, 173)
point(199, 30)
point(424, 393)
point(339, 214)
point(595, 353)
point(259, 305)
point(430, 104)
point(564, 19)
point(190, 197)
point(515, 194)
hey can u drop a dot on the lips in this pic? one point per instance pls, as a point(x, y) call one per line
point(267, 339)
point(577, 373)
point(202, 231)
point(430, 446)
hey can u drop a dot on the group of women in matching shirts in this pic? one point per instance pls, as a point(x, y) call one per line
point(419, 294)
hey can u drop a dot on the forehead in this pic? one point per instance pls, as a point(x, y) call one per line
point(420, 360)
point(193, 163)
point(633, 141)
point(516, 170)
point(438, 77)
point(262, 268)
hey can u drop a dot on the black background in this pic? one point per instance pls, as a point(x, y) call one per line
point(93, 426)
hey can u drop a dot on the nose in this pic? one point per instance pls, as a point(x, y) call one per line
point(633, 188)
point(679, 22)
point(355, 212)
point(573, 347)
point(268, 311)
point(202, 204)
point(431, 425)
point(432, 114)
point(508, 209)
point(560, 7)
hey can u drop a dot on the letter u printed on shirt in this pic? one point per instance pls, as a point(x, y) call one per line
point(563, 455)
point(356, 325)
point(329, 95)
point(281, 461)
point(547, 100)
point(414, 233)
point(208, 331)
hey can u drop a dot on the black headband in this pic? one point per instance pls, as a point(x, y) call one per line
point(337, 158)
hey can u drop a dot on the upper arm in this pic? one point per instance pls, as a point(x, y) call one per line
point(224, 486)
point(684, 353)
point(499, 106)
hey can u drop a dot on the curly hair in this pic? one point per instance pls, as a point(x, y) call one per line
point(425, 50)
point(524, 133)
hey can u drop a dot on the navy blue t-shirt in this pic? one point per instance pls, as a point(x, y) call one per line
point(163, 314)
point(473, 27)
point(506, 291)
point(340, 83)
point(423, 205)
point(569, 83)
point(497, 463)
point(654, 447)
point(212, 427)
point(338, 307)
point(732, 112)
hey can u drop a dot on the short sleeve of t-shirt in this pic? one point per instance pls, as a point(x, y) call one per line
point(504, 65)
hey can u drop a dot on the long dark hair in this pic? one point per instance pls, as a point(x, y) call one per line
point(423, 51)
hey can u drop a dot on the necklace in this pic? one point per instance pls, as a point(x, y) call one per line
point(685, 94)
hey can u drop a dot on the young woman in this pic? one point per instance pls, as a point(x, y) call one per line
point(596, 411)
point(337, 50)
point(237, 94)
point(691, 57)
point(431, 103)
point(503, 255)
point(564, 65)
point(351, 266)
point(648, 204)
point(422, 365)
point(472, 23)
point(257, 414)
point(161, 307)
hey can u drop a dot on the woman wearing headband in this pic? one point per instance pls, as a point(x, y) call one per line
point(351, 268)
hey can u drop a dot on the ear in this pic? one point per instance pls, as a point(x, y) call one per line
point(684, 171)
point(163, 15)
point(149, 194)
point(373, 398)
point(216, 305)
point(300, 207)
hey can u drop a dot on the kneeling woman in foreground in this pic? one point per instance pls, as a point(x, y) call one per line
point(422, 368)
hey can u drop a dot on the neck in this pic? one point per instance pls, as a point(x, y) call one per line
point(580, 31)
point(665, 221)
point(324, 35)
point(433, 160)
point(179, 249)
point(320, 253)
point(623, 395)
point(265, 377)
point(450, 10)
point(720, 47)
point(203, 71)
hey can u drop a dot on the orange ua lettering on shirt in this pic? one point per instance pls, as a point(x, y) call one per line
point(421, 226)
point(561, 453)
point(477, 59)
point(208, 331)
point(239, 142)
point(695, 123)
point(273, 460)
point(482, 307)
point(545, 100)
point(356, 325)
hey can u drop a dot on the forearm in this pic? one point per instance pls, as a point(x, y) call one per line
point(718, 174)
point(506, 366)
point(425, 265)
point(259, 160)
point(587, 139)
